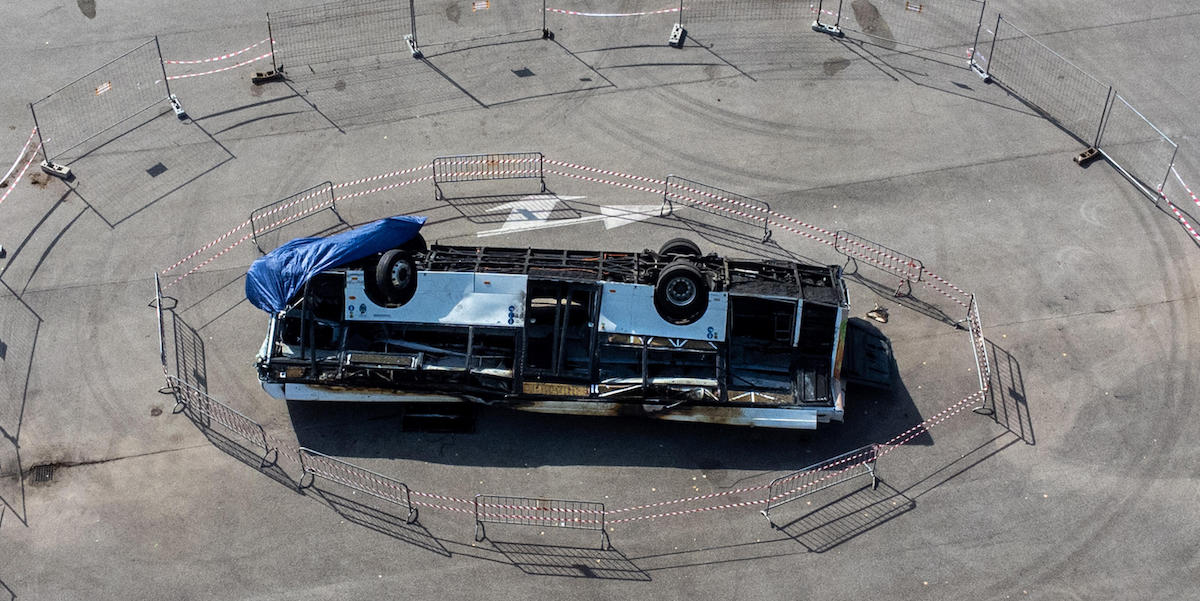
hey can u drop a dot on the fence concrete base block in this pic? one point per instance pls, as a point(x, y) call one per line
point(981, 72)
point(59, 171)
point(262, 77)
point(412, 46)
point(678, 35)
point(832, 30)
point(547, 34)
point(1086, 157)
point(178, 108)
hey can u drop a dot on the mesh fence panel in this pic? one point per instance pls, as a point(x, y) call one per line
point(269, 222)
point(357, 478)
point(745, 215)
point(101, 100)
point(747, 10)
point(315, 39)
point(1064, 93)
point(454, 21)
point(819, 476)
point(213, 411)
point(1136, 145)
point(944, 26)
point(531, 511)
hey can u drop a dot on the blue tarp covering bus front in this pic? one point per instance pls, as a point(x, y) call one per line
point(278, 276)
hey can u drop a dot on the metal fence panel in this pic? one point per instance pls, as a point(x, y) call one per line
point(685, 193)
point(822, 475)
point(767, 11)
point(532, 511)
point(95, 103)
point(488, 167)
point(949, 27)
point(286, 211)
point(855, 247)
point(363, 480)
point(203, 405)
point(162, 336)
point(979, 345)
point(325, 38)
point(440, 24)
point(1136, 146)
point(1062, 92)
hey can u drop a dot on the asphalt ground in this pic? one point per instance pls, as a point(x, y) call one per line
point(1082, 484)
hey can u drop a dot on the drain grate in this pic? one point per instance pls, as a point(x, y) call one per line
point(523, 72)
point(43, 473)
point(157, 170)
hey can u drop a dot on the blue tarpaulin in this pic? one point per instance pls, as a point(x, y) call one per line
point(278, 276)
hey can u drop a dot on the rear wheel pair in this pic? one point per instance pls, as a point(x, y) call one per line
point(681, 293)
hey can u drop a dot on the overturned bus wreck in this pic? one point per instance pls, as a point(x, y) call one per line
point(673, 334)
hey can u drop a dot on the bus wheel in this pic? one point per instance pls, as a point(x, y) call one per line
point(681, 294)
point(679, 247)
point(396, 276)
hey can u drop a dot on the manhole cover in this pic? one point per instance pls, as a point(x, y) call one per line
point(523, 72)
point(43, 473)
point(157, 170)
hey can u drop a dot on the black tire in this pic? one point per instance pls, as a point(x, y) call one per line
point(396, 276)
point(680, 247)
point(681, 294)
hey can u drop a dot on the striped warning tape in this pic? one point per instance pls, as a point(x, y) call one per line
point(241, 64)
point(29, 162)
point(637, 14)
point(443, 497)
point(1185, 186)
point(381, 176)
point(17, 161)
point(1179, 215)
point(602, 181)
point(218, 58)
point(445, 507)
point(605, 172)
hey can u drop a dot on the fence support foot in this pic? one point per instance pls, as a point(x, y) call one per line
point(262, 77)
point(411, 42)
point(1085, 158)
point(981, 72)
point(832, 30)
point(60, 171)
point(178, 108)
point(678, 35)
point(547, 34)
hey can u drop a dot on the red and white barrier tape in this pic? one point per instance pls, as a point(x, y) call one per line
point(638, 14)
point(32, 156)
point(193, 254)
point(443, 497)
point(241, 64)
point(17, 161)
point(445, 507)
point(218, 58)
point(1179, 215)
point(605, 172)
point(1185, 186)
point(381, 176)
point(387, 187)
point(603, 181)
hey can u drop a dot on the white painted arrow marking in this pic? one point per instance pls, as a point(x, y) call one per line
point(533, 213)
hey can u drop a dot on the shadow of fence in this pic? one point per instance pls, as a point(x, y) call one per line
point(378, 516)
point(19, 329)
point(1006, 395)
point(571, 562)
point(848, 516)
